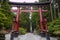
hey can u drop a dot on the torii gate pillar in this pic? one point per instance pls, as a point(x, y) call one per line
point(15, 26)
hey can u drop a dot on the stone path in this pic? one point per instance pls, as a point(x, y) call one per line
point(28, 36)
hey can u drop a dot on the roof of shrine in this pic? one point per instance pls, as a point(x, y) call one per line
point(29, 4)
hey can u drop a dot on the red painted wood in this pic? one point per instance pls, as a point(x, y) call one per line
point(29, 10)
point(17, 18)
point(45, 25)
point(41, 20)
point(14, 25)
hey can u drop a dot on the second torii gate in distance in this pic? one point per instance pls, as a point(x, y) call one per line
point(15, 25)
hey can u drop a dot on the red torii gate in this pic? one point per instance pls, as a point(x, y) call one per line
point(16, 20)
point(43, 21)
point(15, 25)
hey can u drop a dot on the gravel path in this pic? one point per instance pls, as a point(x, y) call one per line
point(28, 36)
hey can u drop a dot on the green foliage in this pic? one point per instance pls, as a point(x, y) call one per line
point(6, 15)
point(56, 32)
point(3, 19)
point(24, 19)
point(22, 30)
point(54, 26)
point(35, 19)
